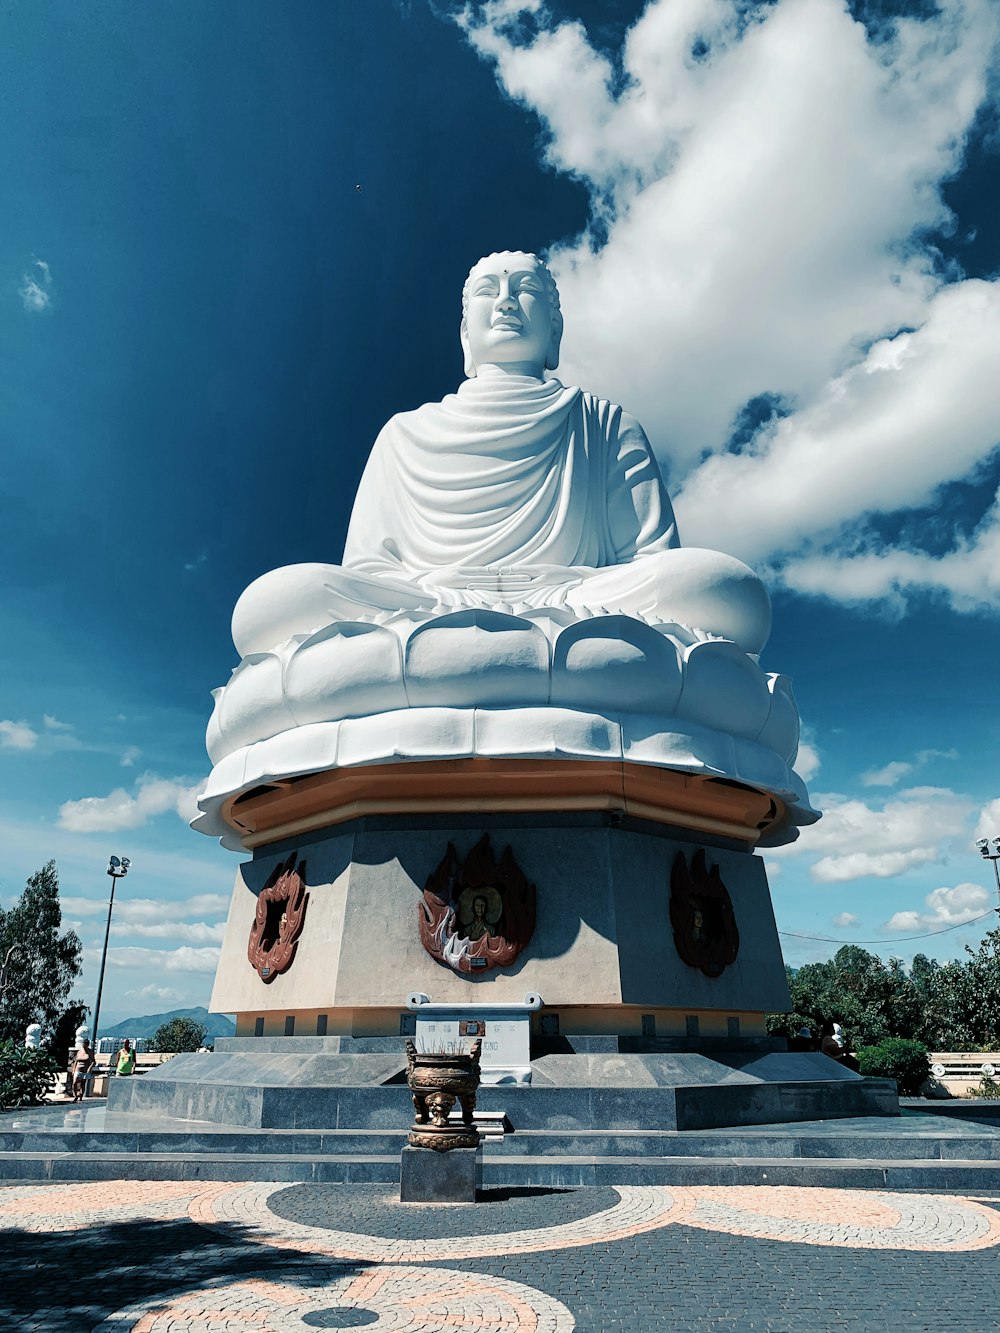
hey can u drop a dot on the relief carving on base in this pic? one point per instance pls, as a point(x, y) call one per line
point(701, 913)
point(476, 914)
point(278, 920)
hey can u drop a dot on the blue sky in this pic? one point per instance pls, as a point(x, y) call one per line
point(232, 243)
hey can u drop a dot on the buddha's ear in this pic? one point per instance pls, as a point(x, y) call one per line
point(470, 365)
point(552, 355)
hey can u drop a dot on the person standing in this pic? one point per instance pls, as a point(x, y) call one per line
point(83, 1063)
point(124, 1064)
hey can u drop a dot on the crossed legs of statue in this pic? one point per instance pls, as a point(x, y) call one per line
point(704, 590)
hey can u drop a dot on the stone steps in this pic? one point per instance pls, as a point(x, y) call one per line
point(898, 1143)
point(511, 1171)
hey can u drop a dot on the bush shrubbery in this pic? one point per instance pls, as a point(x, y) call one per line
point(896, 1057)
point(25, 1075)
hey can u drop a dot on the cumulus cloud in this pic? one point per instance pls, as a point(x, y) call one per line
point(53, 723)
point(855, 839)
point(35, 290)
point(845, 919)
point(763, 178)
point(190, 932)
point(129, 755)
point(17, 736)
point(126, 810)
point(149, 911)
point(154, 992)
point(988, 823)
point(807, 761)
point(184, 959)
point(887, 776)
point(945, 907)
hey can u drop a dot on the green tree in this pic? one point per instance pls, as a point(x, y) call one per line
point(872, 1000)
point(178, 1034)
point(982, 990)
point(46, 963)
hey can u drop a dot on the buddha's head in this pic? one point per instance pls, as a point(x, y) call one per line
point(510, 315)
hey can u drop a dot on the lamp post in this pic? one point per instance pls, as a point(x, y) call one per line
point(117, 869)
point(984, 850)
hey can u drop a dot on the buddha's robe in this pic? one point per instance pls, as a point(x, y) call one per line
point(508, 474)
point(513, 490)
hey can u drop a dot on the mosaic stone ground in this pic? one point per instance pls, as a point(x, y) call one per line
point(190, 1257)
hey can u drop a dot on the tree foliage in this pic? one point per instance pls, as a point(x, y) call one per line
point(947, 1006)
point(25, 1075)
point(46, 963)
point(178, 1034)
point(899, 1058)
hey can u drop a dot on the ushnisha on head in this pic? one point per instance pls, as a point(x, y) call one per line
point(510, 315)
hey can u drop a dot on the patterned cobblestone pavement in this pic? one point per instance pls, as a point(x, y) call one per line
point(190, 1257)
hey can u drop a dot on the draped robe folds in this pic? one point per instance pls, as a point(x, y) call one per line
point(514, 491)
point(512, 488)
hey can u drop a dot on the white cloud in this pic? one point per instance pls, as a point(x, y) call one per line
point(947, 907)
point(845, 919)
point(184, 959)
point(870, 442)
point(988, 823)
point(129, 755)
point(188, 932)
point(887, 776)
point(854, 839)
point(763, 179)
point(35, 290)
point(53, 724)
point(807, 762)
point(154, 992)
point(17, 736)
point(149, 911)
point(123, 810)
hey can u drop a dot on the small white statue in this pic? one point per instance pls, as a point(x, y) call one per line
point(516, 490)
point(33, 1036)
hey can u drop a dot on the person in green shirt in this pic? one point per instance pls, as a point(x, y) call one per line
point(125, 1062)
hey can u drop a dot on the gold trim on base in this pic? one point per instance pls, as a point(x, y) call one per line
point(290, 806)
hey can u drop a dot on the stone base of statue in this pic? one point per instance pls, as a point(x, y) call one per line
point(426, 1176)
point(620, 925)
point(647, 946)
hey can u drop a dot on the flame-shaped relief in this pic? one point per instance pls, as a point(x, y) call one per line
point(478, 914)
point(278, 920)
point(702, 915)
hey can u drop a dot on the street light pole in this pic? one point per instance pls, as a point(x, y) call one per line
point(984, 850)
point(117, 869)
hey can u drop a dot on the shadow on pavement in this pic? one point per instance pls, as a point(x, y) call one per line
point(69, 1281)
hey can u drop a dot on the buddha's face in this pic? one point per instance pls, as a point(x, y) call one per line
point(509, 320)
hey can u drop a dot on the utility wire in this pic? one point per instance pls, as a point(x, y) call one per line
point(897, 939)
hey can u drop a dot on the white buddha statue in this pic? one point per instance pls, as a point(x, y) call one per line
point(514, 491)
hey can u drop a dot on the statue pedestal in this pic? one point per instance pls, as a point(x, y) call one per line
point(626, 897)
point(426, 1176)
point(614, 949)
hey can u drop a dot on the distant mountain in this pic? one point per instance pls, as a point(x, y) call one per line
point(218, 1025)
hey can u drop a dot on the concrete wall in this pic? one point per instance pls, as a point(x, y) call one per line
point(603, 938)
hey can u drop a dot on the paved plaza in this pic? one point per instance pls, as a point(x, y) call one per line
point(197, 1257)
